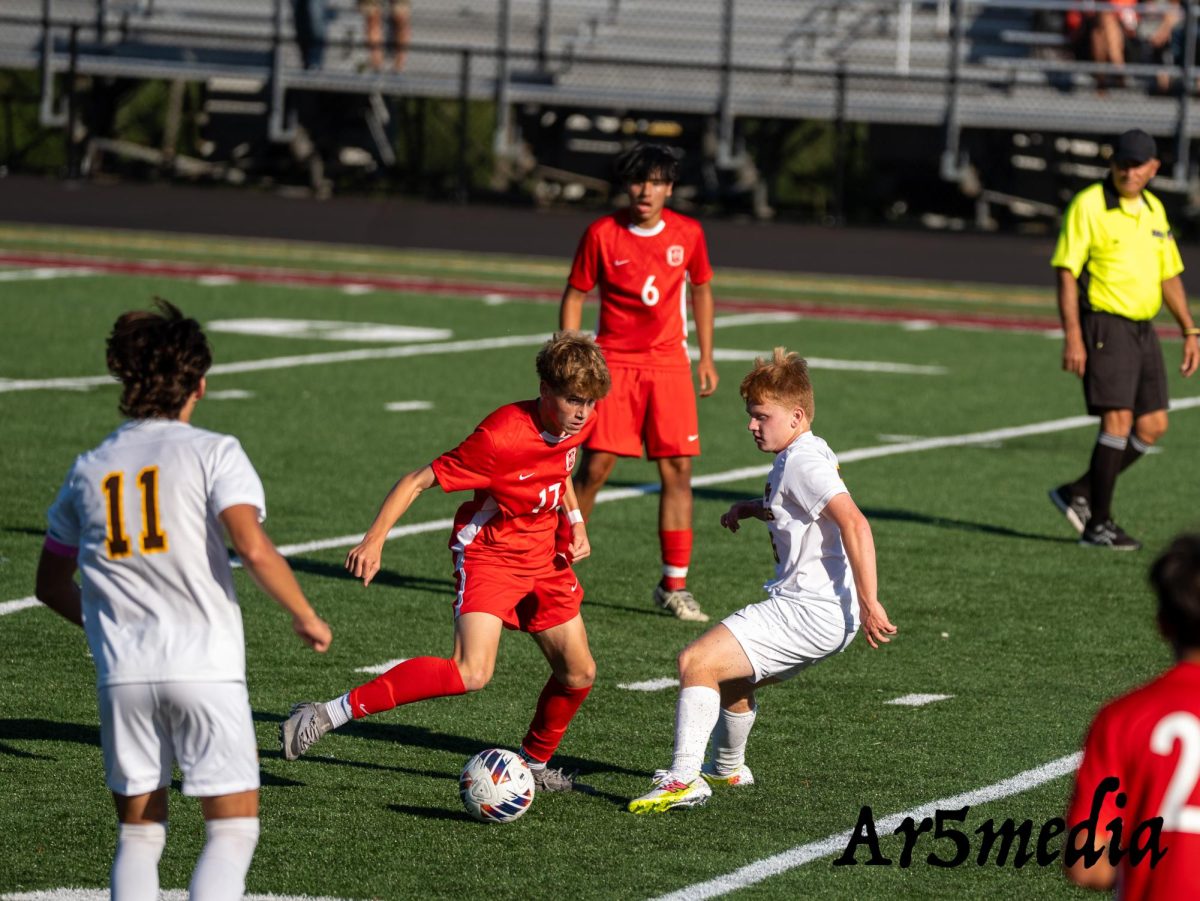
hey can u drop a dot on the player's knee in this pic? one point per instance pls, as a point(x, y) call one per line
point(689, 663)
point(580, 676)
point(475, 676)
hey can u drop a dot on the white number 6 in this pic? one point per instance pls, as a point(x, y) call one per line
point(649, 292)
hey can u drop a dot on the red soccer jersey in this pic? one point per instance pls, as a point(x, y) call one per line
point(1150, 740)
point(643, 276)
point(518, 473)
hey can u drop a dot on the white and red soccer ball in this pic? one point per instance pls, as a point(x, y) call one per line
point(496, 786)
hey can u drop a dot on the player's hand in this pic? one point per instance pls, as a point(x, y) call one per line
point(1191, 355)
point(1074, 357)
point(708, 377)
point(363, 561)
point(313, 631)
point(732, 517)
point(580, 547)
point(876, 626)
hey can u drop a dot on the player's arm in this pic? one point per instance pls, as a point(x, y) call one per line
point(1074, 351)
point(580, 545)
point(570, 311)
point(751, 509)
point(272, 573)
point(702, 312)
point(1176, 300)
point(860, 550)
point(363, 559)
point(56, 586)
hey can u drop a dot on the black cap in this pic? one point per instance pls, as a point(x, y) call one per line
point(1134, 146)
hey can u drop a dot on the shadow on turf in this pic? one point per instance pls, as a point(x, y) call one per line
point(945, 522)
point(383, 577)
point(44, 730)
point(26, 530)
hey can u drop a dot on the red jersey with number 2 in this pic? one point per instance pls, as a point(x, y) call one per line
point(518, 473)
point(643, 275)
point(1150, 740)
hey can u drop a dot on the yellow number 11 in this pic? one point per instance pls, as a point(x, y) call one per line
point(153, 539)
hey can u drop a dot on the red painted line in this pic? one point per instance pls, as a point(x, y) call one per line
point(275, 276)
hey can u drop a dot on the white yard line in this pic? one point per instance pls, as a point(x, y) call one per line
point(41, 274)
point(649, 684)
point(379, 668)
point(101, 894)
point(754, 873)
point(751, 472)
point(408, 406)
point(84, 383)
point(8, 607)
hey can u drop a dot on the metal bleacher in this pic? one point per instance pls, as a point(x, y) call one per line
point(955, 64)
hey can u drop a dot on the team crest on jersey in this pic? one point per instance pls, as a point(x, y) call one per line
point(571, 459)
point(675, 255)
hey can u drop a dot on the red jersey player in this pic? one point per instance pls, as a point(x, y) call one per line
point(518, 462)
point(1149, 740)
point(643, 259)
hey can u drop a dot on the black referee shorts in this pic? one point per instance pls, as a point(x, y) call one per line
point(1125, 368)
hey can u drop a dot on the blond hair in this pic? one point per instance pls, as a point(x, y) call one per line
point(571, 363)
point(783, 380)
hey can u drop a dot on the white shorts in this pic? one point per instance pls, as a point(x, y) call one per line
point(781, 636)
point(205, 727)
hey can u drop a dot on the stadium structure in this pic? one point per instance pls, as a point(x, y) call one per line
point(979, 101)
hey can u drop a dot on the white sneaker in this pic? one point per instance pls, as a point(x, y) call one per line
point(680, 603)
point(739, 778)
point(670, 791)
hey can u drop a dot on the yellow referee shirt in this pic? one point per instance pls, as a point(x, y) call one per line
point(1127, 247)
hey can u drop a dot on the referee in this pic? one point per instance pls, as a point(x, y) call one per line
point(1117, 232)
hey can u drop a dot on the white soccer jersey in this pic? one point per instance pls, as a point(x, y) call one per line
point(142, 510)
point(811, 563)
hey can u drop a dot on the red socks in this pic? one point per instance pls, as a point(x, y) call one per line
point(555, 708)
point(676, 555)
point(412, 680)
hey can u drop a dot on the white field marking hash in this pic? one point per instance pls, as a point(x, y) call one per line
point(357, 290)
point(84, 383)
point(408, 406)
point(918, 325)
point(41, 274)
point(649, 684)
point(917, 700)
point(174, 894)
point(494, 300)
point(380, 667)
point(727, 355)
point(217, 281)
point(228, 394)
point(330, 330)
point(756, 472)
point(827, 847)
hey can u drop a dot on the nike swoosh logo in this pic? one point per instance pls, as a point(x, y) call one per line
point(693, 437)
point(576, 585)
point(620, 262)
point(523, 477)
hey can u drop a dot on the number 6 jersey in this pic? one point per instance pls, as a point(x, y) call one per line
point(141, 511)
point(641, 273)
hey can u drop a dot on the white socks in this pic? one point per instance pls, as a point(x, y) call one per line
point(135, 865)
point(338, 710)
point(729, 740)
point(220, 873)
point(695, 716)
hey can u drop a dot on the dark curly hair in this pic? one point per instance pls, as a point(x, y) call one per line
point(642, 162)
point(159, 356)
point(1176, 580)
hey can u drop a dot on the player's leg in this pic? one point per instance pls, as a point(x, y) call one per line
point(141, 836)
point(231, 835)
point(716, 657)
point(726, 765)
point(572, 672)
point(671, 427)
point(594, 470)
point(401, 32)
point(373, 24)
point(138, 765)
point(469, 668)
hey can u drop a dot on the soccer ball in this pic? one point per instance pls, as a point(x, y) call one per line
point(496, 786)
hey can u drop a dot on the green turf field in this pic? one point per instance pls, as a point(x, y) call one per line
point(996, 605)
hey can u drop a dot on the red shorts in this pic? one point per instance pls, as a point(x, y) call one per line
point(531, 601)
point(651, 407)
